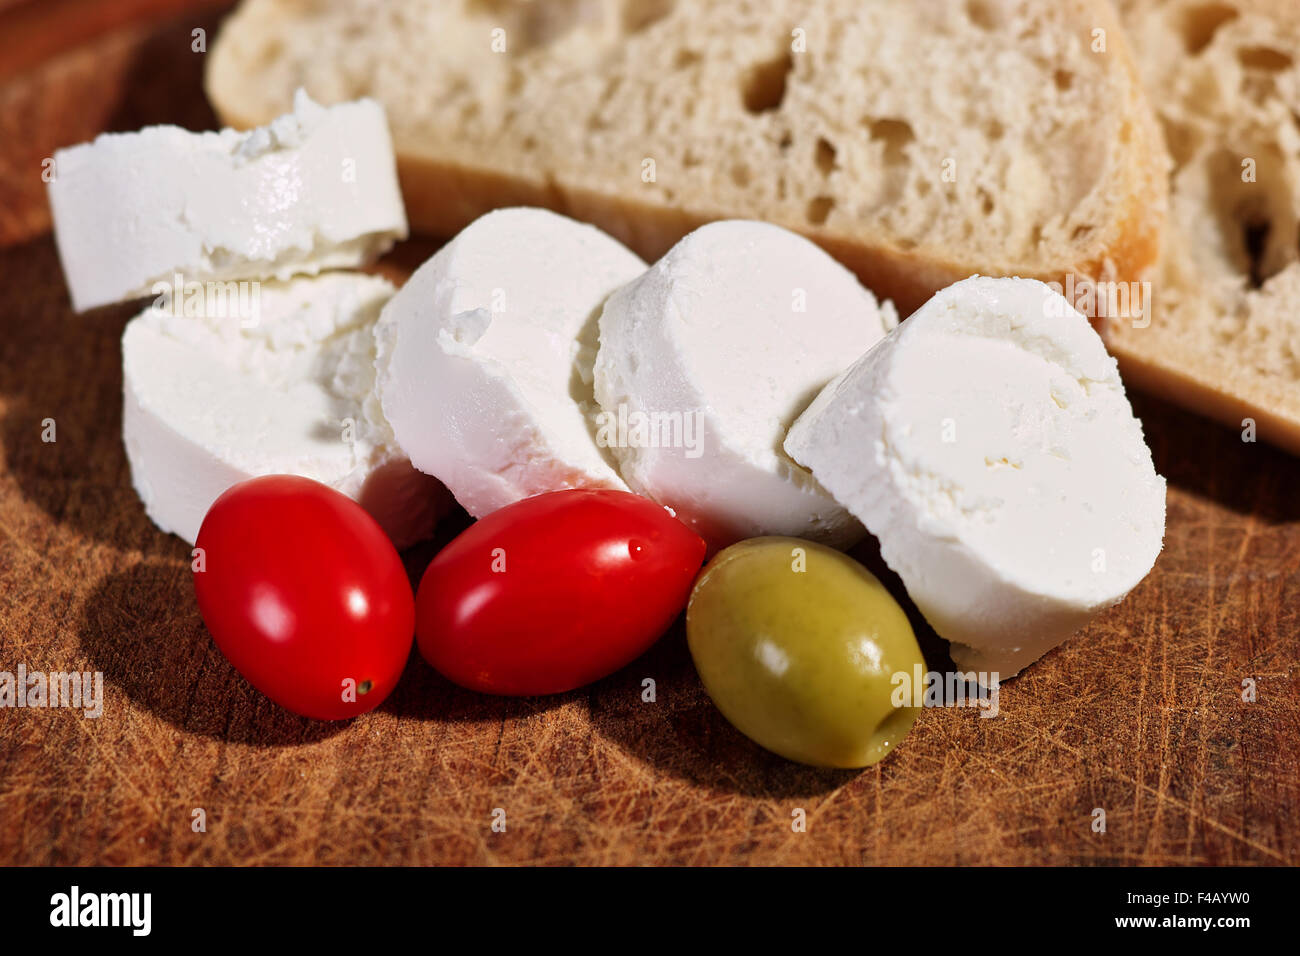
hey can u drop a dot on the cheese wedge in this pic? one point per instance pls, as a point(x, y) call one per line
point(988, 444)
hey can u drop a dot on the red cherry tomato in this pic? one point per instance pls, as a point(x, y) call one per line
point(555, 591)
point(305, 595)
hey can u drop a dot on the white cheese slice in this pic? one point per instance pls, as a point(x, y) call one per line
point(988, 444)
point(485, 358)
point(316, 189)
point(707, 359)
point(209, 402)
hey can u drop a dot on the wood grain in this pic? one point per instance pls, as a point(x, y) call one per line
point(33, 32)
point(56, 89)
point(1140, 715)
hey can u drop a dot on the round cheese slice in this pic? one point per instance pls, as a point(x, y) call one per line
point(485, 358)
point(708, 358)
point(314, 190)
point(278, 380)
point(989, 445)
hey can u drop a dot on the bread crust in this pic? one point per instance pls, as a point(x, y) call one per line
point(1185, 355)
point(1184, 379)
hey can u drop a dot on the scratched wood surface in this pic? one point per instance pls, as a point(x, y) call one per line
point(1140, 715)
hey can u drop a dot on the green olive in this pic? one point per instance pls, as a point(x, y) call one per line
point(797, 644)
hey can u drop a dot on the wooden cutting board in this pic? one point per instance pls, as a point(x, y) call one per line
point(1141, 715)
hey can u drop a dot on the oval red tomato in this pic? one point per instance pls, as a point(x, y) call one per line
point(305, 595)
point(555, 591)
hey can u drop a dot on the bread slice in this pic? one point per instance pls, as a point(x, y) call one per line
point(917, 140)
point(1224, 333)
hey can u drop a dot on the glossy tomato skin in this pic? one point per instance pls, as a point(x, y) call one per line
point(555, 591)
point(303, 591)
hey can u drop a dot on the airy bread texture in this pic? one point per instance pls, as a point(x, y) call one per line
point(1224, 333)
point(917, 140)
